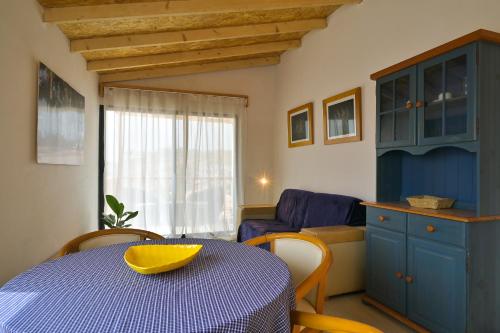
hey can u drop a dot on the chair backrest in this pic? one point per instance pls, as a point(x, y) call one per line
point(308, 259)
point(330, 324)
point(106, 237)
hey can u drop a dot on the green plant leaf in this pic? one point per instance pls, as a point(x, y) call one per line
point(127, 225)
point(120, 213)
point(109, 219)
point(130, 216)
point(109, 225)
point(114, 204)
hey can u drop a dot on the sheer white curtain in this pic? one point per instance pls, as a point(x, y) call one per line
point(174, 157)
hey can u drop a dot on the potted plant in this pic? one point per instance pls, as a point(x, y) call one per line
point(120, 217)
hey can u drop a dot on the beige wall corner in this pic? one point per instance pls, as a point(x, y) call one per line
point(43, 206)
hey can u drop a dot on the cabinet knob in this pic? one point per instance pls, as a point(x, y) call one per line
point(430, 228)
point(409, 279)
point(419, 104)
point(409, 105)
point(399, 275)
point(381, 218)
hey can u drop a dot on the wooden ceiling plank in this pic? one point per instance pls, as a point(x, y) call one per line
point(199, 35)
point(176, 8)
point(146, 25)
point(192, 56)
point(190, 46)
point(186, 70)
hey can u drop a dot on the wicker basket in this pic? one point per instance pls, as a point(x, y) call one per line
point(429, 201)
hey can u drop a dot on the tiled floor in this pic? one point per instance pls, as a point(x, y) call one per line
point(351, 307)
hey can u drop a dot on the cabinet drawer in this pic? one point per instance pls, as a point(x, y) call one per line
point(387, 219)
point(437, 229)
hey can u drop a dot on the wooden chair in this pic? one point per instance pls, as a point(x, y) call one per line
point(329, 324)
point(105, 237)
point(308, 259)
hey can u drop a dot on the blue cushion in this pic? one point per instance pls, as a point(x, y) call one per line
point(253, 228)
point(292, 206)
point(333, 209)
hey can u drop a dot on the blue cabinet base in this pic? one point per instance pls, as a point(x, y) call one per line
point(439, 273)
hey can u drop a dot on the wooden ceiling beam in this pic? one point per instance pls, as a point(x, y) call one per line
point(190, 69)
point(199, 35)
point(176, 8)
point(192, 56)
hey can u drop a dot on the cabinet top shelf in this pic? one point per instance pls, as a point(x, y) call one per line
point(478, 35)
point(459, 215)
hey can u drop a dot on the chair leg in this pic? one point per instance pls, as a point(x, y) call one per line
point(320, 296)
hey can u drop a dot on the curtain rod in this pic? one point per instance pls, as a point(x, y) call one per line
point(179, 91)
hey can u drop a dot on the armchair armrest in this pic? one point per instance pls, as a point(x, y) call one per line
point(264, 212)
point(336, 234)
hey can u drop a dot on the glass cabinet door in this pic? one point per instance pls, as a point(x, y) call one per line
point(445, 103)
point(396, 115)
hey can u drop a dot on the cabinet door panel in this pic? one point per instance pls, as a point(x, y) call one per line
point(446, 90)
point(396, 112)
point(436, 295)
point(386, 251)
point(386, 96)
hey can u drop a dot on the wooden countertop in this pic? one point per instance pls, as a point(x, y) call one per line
point(258, 206)
point(453, 214)
point(481, 34)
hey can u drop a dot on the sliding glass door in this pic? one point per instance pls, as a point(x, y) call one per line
point(178, 169)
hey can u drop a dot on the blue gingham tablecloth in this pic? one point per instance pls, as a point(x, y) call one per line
point(229, 287)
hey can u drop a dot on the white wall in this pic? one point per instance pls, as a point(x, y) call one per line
point(258, 83)
point(360, 39)
point(41, 206)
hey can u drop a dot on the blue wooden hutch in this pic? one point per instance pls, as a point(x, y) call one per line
point(438, 133)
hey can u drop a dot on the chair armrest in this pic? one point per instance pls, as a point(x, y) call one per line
point(337, 234)
point(257, 212)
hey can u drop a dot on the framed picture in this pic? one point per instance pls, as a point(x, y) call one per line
point(300, 126)
point(61, 120)
point(342, 117)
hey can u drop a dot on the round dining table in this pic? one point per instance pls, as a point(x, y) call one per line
point(228, 287)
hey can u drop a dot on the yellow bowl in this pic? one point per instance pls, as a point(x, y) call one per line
point(152, 259)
